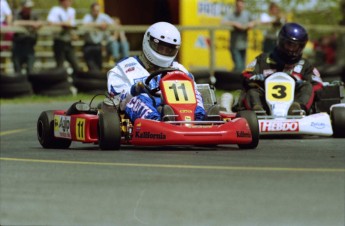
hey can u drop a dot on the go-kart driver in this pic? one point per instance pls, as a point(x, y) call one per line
point(161, 43)
point(286, 57)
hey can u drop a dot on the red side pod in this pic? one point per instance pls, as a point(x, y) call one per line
point(149, 132)
point(84, 128)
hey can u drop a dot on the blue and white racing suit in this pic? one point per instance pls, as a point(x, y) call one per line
point(128, 72)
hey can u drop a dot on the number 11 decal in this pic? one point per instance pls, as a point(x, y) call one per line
point(183, 88)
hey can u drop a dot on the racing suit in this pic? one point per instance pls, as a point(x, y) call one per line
point(121, 81)
point(307, 77)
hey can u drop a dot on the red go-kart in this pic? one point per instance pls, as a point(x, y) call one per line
point(106, 126)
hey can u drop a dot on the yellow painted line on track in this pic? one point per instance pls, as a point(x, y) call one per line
point(230, 168)
point(12, 131)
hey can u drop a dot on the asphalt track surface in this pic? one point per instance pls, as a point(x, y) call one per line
point(290, 181)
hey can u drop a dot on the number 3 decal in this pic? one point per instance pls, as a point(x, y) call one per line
point(279, 91)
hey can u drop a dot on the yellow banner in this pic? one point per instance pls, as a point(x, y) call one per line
point(195, 49)
point(101, 3)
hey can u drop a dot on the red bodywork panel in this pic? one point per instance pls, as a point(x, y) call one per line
point(82, 127)
point(149, 132)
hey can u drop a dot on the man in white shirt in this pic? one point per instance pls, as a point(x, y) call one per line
point(5, 19)
point(5, 13)
point(274, 20)
point(64, 16)
point(241, 21)
point(93, 39)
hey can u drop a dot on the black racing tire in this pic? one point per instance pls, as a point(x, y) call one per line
point(252, 120)
point(45, 132)
point(338, 122)
point(90, 85)
point(90, 75)
point(49, 76)
point(11, 90)
point(56, 92)
point(58, 89)
point(109, 131)
point(12, 78)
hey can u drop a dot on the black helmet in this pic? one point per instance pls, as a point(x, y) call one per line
point(292, 39)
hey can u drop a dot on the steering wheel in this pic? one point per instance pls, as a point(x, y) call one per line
point(163, 72)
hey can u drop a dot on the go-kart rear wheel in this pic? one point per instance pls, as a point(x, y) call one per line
point(252, 120)
point(338, 121)
point(109, 131)
point(45, 132)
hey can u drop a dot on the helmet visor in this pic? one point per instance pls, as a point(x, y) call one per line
point(163, 48)
point(291, 48)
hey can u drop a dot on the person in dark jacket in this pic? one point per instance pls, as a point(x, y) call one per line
point(23, 49)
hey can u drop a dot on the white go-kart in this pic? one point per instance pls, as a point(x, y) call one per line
point(279, 96)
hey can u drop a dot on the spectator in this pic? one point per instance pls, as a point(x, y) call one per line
point(93, 39)
point(241, 21)
point(118, 46)
point(5, 13)
point(23, 52)
point(64, 17)
point(6, 18)
point(325, 50)
point(161, 43)
point(275, 19)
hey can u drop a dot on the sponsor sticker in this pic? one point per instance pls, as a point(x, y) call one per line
point(273, 126)
point(186, 111)
point(318, 125)
point(149, 135)
point(130, 69)
point(242, 134)
point(130, 64)
point(62, 126)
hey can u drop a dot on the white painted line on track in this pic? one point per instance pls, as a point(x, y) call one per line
point(201, 167)
point(9, 132)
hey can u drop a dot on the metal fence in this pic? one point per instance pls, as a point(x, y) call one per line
point(46, 33)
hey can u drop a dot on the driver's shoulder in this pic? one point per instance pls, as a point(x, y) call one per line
point(177, 65)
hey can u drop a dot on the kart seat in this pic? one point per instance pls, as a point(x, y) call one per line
point(213, 113)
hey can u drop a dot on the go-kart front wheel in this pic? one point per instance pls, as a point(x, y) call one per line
point(45, 132)
point(252, 120)
point(338, 121)
point(109, 131)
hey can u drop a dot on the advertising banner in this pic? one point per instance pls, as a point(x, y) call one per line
point(195, 49)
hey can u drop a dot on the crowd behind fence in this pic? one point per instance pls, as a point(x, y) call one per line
point(44, 54)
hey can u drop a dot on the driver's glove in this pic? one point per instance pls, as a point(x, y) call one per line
point(137, 88)
point(258, 77)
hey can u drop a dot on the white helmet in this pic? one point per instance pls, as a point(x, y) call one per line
point(161, 43)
